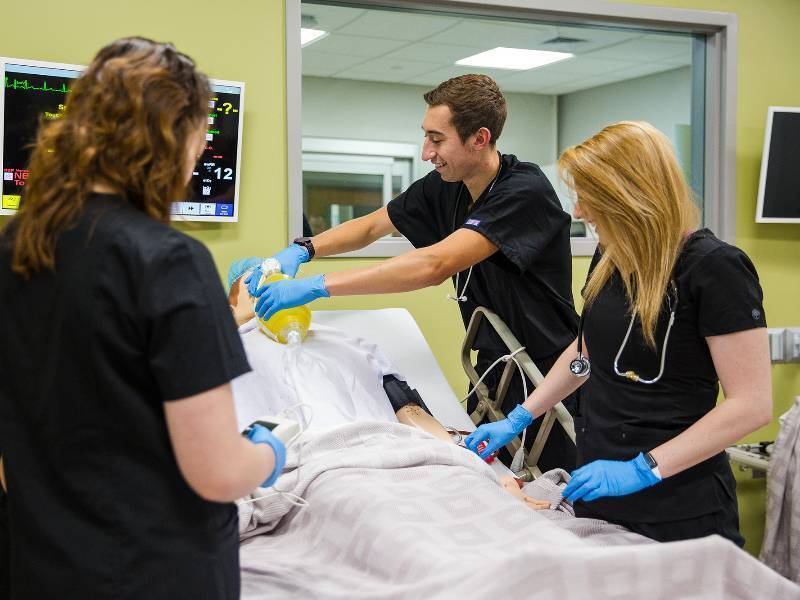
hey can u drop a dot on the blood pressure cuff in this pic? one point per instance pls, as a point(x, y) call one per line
point(400, 394)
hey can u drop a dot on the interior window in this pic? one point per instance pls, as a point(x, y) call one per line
point(364, 72)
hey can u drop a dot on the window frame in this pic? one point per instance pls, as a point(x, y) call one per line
point(381, 152)
point(720, 81)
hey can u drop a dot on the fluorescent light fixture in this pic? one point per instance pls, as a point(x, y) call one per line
point(307, 36)
point(518, 59)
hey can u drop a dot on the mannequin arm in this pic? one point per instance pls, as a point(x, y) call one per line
point(413, 416)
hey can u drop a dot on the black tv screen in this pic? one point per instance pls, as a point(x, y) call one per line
point(32, 92)
point(779, 185)
point(36, 91)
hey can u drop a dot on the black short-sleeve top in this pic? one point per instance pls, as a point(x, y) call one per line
point(133, 316)
point(718, 293)
point(528, 282)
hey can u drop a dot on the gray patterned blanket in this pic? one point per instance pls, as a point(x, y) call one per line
point(395, 513)
point(781, 547)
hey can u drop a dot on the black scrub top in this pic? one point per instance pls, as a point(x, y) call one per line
point(133, 316)
point(718, 293)
point(528, 282)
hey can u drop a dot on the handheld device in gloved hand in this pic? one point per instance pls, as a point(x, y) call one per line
point(283, 429)
point(277, 433)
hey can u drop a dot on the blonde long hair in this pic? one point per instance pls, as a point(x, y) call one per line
point(629, 180)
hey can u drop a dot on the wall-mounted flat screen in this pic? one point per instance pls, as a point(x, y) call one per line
point(36, 91)
point(779, 185)
point(33, 92)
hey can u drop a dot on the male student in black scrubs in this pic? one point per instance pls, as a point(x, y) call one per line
point(487, 219)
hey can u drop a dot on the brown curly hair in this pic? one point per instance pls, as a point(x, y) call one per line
point(475, 101)
point(126, 125)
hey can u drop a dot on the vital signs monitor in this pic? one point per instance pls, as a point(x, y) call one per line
point(35, 92)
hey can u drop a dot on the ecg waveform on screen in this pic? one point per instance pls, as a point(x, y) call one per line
point(24, 84)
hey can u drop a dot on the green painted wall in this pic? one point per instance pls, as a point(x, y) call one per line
point(249, 47)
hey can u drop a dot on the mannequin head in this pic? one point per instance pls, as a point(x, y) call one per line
point(242, 304)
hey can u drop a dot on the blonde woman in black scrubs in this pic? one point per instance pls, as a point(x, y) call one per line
point(670, 314)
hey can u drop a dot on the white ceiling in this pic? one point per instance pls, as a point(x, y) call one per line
point(417, 49)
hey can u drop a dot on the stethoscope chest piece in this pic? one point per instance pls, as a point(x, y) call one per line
point(580, 366)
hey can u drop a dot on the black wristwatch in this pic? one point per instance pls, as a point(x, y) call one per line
point(651, 462)
point(306, 243)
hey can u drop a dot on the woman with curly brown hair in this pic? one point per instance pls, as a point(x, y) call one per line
point(117, 426)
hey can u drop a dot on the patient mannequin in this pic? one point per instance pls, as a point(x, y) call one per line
point(411, 414)
point(242, 304)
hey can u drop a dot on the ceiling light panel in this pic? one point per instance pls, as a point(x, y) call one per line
point(309, 36)
point(516, 59)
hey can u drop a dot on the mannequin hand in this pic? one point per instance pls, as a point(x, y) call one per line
point(261, 435)
point(499, 433)
point(609, 478)
point(291, 258)
point(289, 293)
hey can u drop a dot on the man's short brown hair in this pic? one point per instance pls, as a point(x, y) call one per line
point(475, 101)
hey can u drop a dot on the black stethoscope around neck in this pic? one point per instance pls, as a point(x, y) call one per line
point(461, 296)
point(580, 366)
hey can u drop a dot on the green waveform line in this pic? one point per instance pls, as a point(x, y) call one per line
point(25, 85)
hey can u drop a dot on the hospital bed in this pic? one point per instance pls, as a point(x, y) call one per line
point(394, 513)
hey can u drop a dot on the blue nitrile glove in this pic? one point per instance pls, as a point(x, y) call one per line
point(289, 293)
point(291, 258)
point(499, 433)
point(240, 267)
point(261, 435)
point(253, 279)
point(609, 478)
